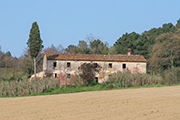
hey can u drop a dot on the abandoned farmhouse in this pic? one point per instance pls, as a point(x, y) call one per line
point(56, 65)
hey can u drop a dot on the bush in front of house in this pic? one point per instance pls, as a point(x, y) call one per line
point(127, 79)
point(76, 80)
point(88, 72)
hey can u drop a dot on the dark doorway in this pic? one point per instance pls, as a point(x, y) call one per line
point(96, 78)
point(55, 75)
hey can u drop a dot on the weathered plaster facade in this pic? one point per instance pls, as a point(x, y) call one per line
point(61, 64)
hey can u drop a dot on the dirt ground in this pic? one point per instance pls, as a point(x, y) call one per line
point(130, 104)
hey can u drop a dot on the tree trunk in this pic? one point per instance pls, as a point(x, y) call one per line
point(172, 64)
point(34, 68)
point(171, 59)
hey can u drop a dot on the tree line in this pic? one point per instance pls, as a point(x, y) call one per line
point(160, 46)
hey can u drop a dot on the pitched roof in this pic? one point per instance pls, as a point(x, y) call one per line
point(95, 57)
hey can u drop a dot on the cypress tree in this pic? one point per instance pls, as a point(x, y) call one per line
point(34, 43)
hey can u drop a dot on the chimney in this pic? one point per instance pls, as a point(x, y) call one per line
point(129, 52)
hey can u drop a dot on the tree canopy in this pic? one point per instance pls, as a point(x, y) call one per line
point(95, 47)
point(98, 47)
point(166, 51)
point(34, 42)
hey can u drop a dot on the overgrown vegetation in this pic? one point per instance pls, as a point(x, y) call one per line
point(26, 87)
point(120, 80)
point(88, 71)
point(117, 80)
point(171, 76)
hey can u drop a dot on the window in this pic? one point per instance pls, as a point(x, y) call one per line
point(68, 64)
point(96, 65)
point(55, 75)
point(110, 75)
point(54, 64)
point(68, 76)
point(124, 66)
point(110, 65)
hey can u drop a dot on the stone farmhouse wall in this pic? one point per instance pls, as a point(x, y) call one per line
point(61, 67)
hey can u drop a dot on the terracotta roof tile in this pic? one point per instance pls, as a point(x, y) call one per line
point(95, 57)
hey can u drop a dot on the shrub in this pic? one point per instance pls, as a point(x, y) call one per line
point(128, 79)
point(88, 71)
point(76, 80)
point(171, 75)
point(26, 87)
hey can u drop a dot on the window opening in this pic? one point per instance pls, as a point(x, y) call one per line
point(110, 65)
point(68, 64)
point(124, 66)
point(54, 64)
point(96, 65)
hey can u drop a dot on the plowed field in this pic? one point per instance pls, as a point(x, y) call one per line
point(130, 104)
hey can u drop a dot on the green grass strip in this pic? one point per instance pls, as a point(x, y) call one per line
point(98, 87)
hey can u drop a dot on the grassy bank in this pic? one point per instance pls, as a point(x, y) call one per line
point(99, 87)
point(76, 89)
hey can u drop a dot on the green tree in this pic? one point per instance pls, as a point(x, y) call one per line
point(112, 50)
point(1, 54)
point(141, 46)
point(8, 53)
point(71, 49)
point(178, 23)
point(82, 48)
point(125, 42)
point(98, 47)
point(34, 43)
point(168, 28)
point(154, 32)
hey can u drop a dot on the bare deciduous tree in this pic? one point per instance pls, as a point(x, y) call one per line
point(165, 51)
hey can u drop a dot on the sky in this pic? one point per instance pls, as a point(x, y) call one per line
point(65, 22)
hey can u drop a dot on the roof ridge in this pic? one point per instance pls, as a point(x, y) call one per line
point(92, 54)
point(95, 57)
